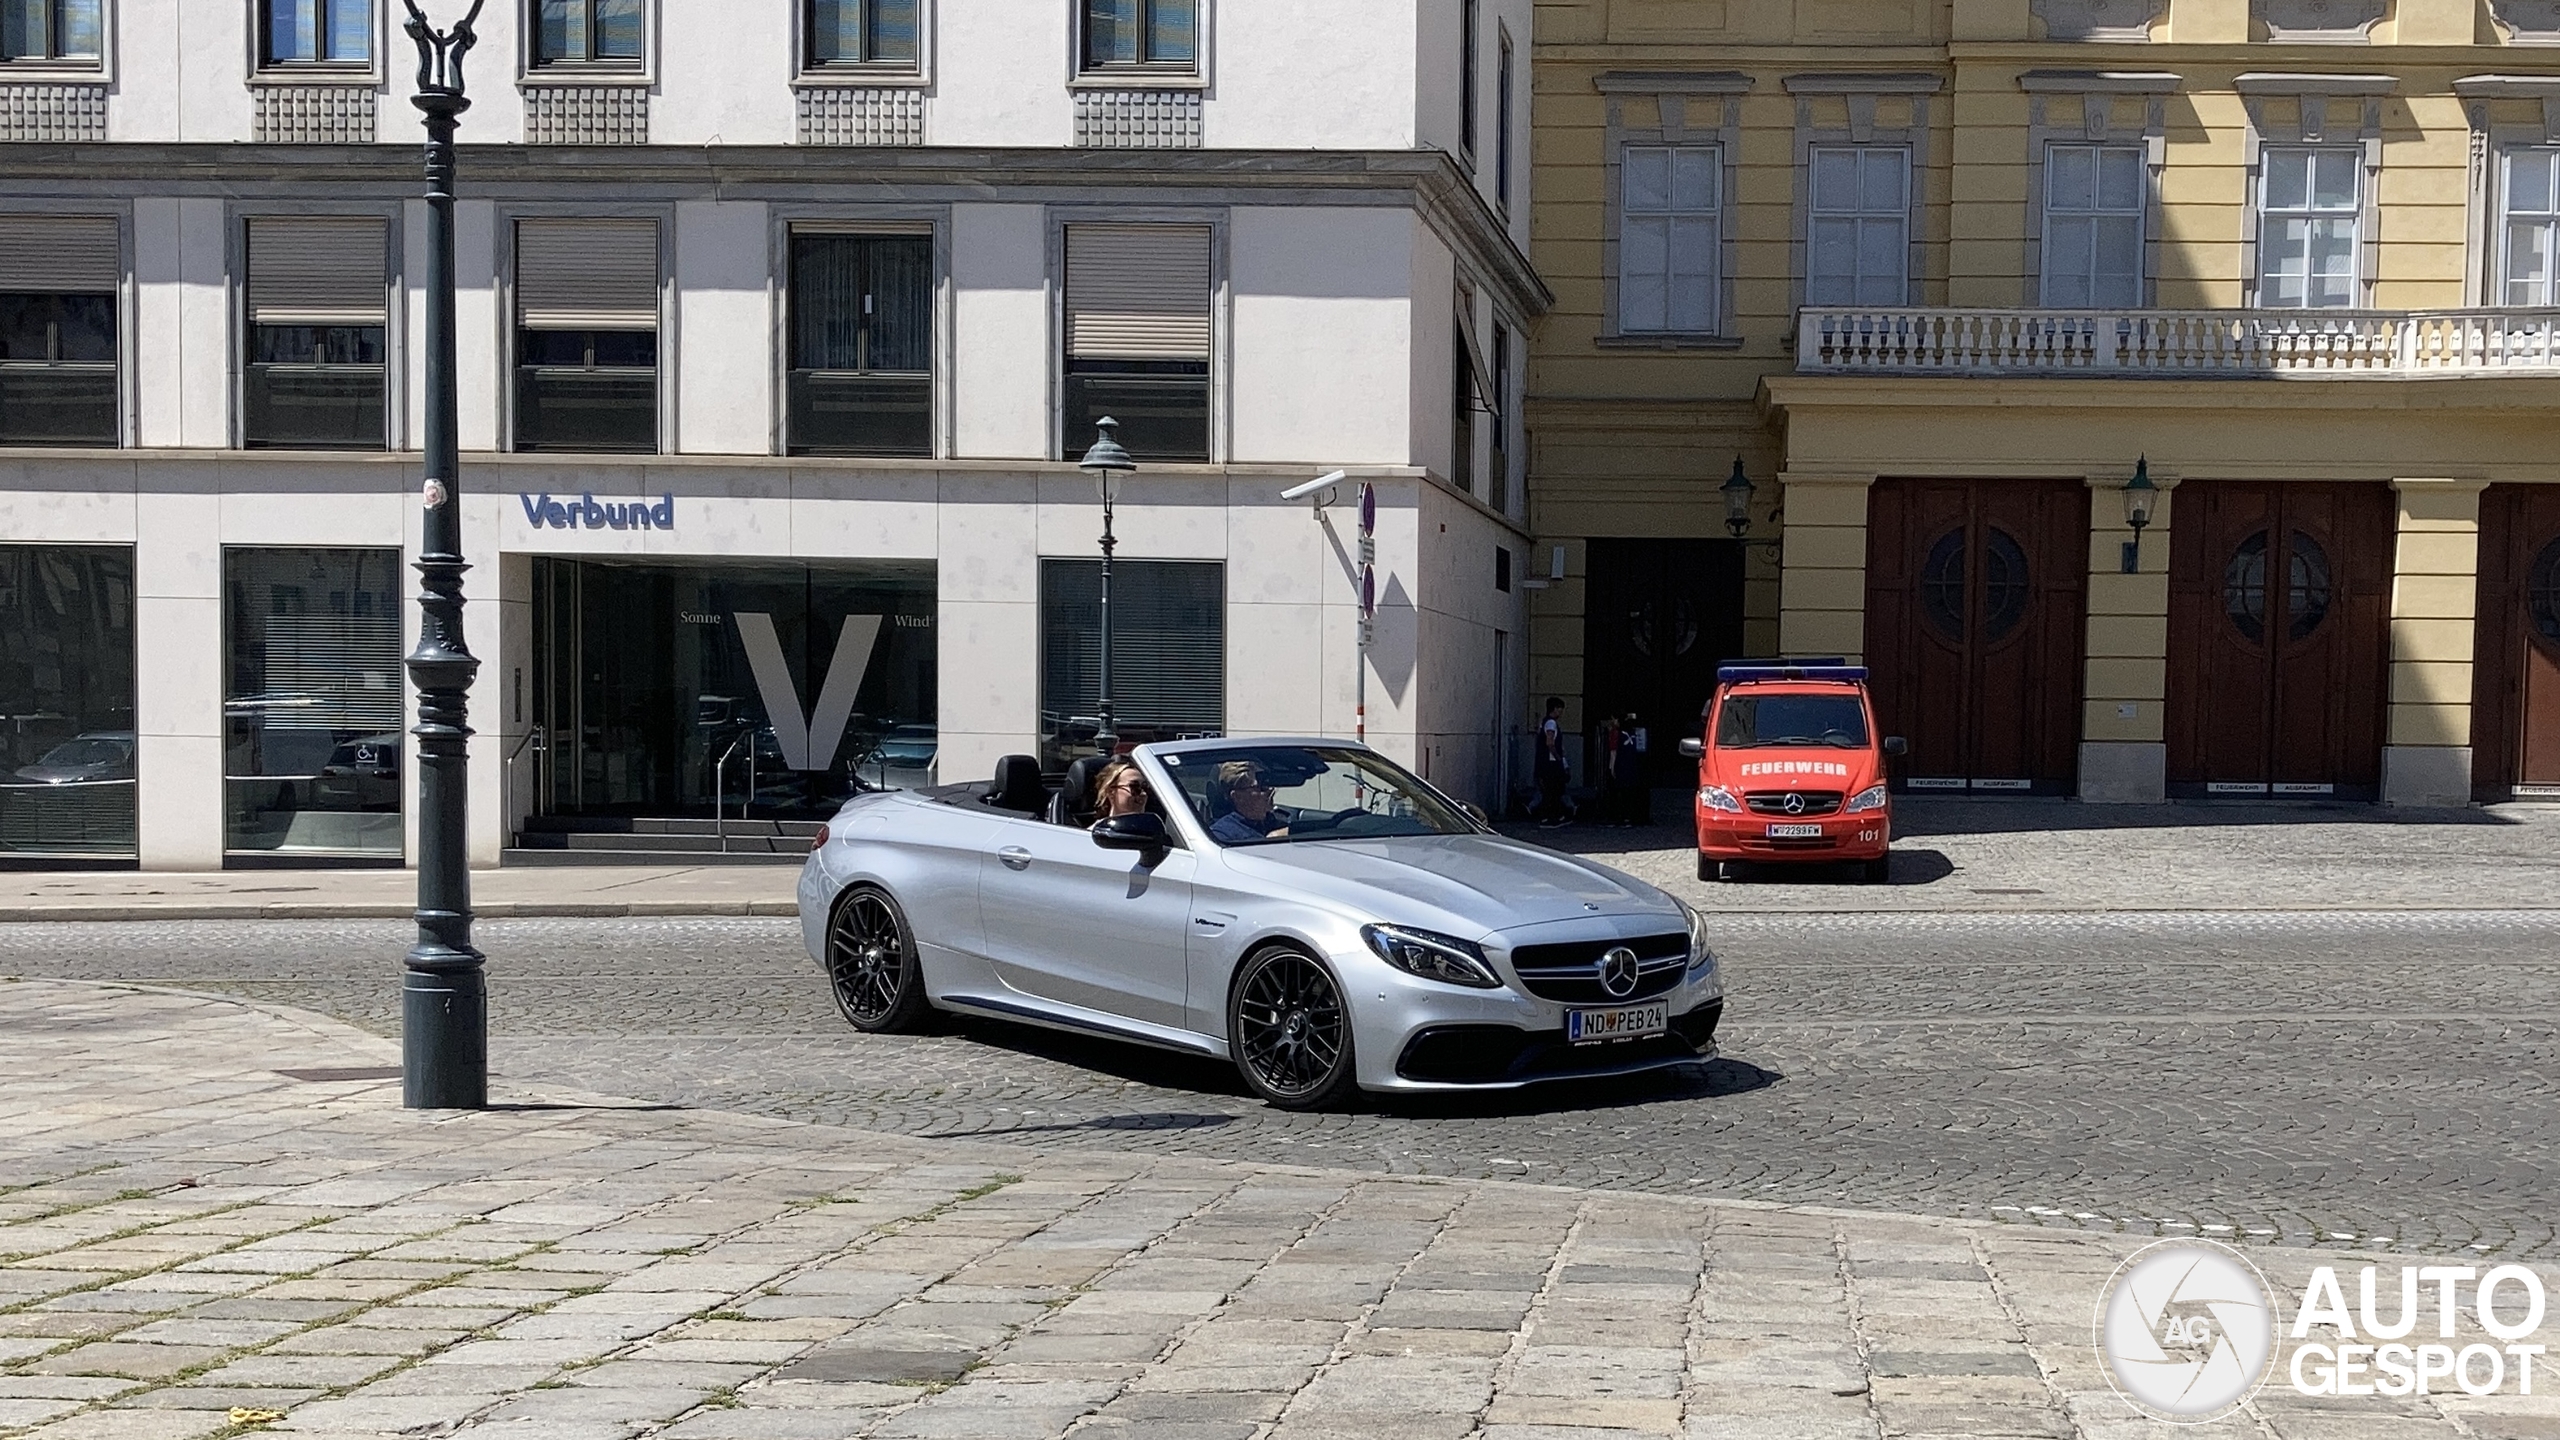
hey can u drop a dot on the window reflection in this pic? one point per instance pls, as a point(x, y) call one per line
point(67, 746)
point(312, 706)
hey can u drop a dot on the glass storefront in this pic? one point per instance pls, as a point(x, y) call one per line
point(311, 706)
point(67, 744)
point(762, 689)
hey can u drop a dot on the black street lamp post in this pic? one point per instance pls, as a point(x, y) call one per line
point(444, 999)
point(1107, 463)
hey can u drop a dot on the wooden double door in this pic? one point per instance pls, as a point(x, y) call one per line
point(2279, 640)
point(2515, 676)
point(1977, 594)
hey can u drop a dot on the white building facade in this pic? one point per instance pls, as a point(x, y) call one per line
point(782, 327)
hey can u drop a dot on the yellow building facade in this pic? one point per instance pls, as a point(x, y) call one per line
point(1943, 275)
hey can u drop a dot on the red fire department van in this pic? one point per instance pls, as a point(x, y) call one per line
point(1791, 771)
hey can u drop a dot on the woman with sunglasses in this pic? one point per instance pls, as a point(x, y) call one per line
point(1120, 789)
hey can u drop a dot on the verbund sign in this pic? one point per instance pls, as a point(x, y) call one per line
point(587, 513)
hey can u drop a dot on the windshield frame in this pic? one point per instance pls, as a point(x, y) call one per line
point(1857, 699)
point(1174, 761)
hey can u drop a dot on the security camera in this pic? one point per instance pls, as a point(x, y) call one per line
point(1325, 481)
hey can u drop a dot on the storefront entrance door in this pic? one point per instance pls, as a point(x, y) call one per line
point(1659, 616)
point(2279, 604)
point(732, 688)
point(1975, 595)
point(2515, 706)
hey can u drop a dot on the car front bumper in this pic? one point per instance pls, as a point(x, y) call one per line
point(1723, 835)
point(1415, 1035)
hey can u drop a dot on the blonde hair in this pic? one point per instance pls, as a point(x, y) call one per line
point(1109, 775)
point(1238, 772)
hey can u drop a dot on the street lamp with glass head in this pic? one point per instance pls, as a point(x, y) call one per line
point(1108, 464)
point(1737, 490)
point(2139, 496)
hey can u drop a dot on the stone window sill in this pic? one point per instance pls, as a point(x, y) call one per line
point(1669, 341)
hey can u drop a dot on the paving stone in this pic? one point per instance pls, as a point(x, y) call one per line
point(138, 1362)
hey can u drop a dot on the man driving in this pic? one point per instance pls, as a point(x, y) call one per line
point(1251, 816)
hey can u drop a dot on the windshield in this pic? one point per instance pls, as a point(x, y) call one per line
point(72, 753)
point(1753, 722)
point(1272, 794)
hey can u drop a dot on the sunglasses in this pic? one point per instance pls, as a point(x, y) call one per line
point(1249, 790)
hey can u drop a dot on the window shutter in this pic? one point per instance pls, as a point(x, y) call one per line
point(1168, 643)
point(587, 274)
point(60, 254)
point(307, 271)
point(1138, 292)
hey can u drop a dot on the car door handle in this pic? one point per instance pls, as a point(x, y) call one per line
point(1015, 857)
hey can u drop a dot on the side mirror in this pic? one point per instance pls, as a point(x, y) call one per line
point(1476, 813)
point(1142, 832)
point(1896, 746)
point(1693, 748)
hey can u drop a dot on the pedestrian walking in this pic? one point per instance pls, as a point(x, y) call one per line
point(1552, 773)
point(1626, 763)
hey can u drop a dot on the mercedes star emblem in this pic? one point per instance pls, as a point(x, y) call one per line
point(1618, 972)
point(1795, 803)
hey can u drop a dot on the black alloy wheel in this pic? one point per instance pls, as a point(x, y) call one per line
point(871, 964)
point(1292, 1031)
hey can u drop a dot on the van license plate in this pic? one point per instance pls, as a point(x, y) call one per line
point(1780, 832)
point(1584, 1027)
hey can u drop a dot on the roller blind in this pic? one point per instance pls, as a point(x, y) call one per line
point(1138, 292)
point(307, 271)
point(1168, 643)
point(64, 254)
point(587, 274)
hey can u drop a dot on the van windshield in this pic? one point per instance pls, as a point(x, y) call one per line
point(1755, 722)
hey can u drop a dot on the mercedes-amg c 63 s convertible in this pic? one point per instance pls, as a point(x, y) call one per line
point(1306, 908)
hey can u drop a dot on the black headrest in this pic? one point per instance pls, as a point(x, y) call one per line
point(1080, 780)
point(1017, 785)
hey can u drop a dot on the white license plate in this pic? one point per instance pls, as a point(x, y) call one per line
point(1583, 1027)
point(1786, 831)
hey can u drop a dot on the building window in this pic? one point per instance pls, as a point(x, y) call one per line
point(587, 32)
point(1860, 226)
point(1141, 35)
point(2310, 213)
point(1670, 224)
point(861, 344)
point(1470, 23)
point(39, 31)
point(1498, 474)
point(311, 706)
point(67, 672)
point(58, 283)
point(2093, 207)
point(587, 335)
point(865, 33)
point(1502, 158)
point(1168, 652)
point(316, 32)
point(1138, 338)
point(2530, 263)
point(314, 374)
point(1462, 401)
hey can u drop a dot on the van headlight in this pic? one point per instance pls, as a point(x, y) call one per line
point(1871, 798)
point(1444, 958)
point(1716, 797)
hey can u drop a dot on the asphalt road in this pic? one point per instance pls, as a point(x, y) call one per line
point(2366, 1080)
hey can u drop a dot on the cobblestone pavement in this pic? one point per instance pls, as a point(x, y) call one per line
point(194, 1246)
point(2268, 1077)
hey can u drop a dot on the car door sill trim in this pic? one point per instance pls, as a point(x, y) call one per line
point(1032, 1014)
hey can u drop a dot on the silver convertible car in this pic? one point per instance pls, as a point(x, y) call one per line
point(1306, 908)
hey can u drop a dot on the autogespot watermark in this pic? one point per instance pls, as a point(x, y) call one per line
point(2189, 1330)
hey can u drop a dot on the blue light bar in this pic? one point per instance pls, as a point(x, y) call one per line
point(1747, 674)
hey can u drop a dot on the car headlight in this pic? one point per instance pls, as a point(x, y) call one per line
point(1701, 955)
point(1444, 958)
point(1871, 798)
point(1716, 797)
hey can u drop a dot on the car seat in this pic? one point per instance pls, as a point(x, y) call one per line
point(1073, 804)
point(1017, 786)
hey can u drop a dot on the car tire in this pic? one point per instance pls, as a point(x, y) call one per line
point(871, 964)
point(1709, 870)
point(1878, 871)
point(1290, 1029)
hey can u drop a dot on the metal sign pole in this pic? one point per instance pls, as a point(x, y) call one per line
point(1368, 610)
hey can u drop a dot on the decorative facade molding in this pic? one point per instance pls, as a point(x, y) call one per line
point(2090, 114)
point(860, 115)
point(315, 114)
point(2117, 21)
point(586, 115)
point(53, 112)
point(1138, 119)
point(2329, 22)
point(2527, 22)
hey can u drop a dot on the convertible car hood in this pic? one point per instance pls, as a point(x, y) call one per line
point(1478, 883)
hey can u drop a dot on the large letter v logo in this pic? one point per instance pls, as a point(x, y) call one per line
point(808, 744)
